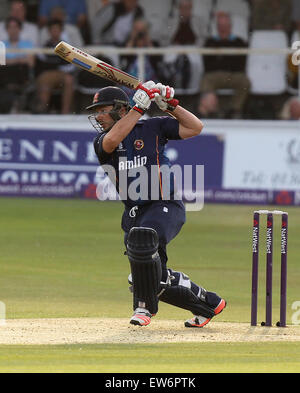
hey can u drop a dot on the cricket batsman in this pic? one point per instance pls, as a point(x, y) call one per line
point(125, 142)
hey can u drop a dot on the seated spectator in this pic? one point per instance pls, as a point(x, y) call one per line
point(29, 30)
point(208, 106)
point(14, 41)
point(17, 72)
point(113, 23)
point(184, 28)
point(291, 109)
point(140, 38)
point(75, 10)
point(94, 6)
point(70, 33)
point(271, 15)
point(76, 14)
point(32, 11)
point(183, 71)
point(226, 72)
point(54, 74)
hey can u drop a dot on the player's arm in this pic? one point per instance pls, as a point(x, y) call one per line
point(189, 124)
point(142, 98)
point(120, 130)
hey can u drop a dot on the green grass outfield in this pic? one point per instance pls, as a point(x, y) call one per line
point(64, 259)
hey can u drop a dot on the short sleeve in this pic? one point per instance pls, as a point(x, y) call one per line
point(169, 128)
point(102, 155)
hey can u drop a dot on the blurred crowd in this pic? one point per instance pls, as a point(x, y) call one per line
point(212, 86)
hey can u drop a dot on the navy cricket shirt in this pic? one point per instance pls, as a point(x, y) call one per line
point(144, 146)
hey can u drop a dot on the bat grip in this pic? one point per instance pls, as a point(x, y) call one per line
point(150, 92)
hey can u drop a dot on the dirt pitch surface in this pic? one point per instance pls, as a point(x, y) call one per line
point(119, 331)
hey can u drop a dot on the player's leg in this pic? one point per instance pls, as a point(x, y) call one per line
point(165, 220)
point(142, 246)
point(180, 291)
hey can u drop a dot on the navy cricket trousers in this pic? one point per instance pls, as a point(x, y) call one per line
point(165, 217)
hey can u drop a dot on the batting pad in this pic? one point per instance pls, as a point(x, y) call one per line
point(142, 246)
point(183, 297)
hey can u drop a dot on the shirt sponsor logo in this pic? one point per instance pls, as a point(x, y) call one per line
point(135, 163)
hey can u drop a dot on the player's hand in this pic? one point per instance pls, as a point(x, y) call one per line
point(166, 92)
point(144, 95)
point(165, 100)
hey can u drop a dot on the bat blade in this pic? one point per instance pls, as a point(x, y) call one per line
point(95, 66)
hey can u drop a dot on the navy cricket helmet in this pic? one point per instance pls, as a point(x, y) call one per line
point(109, 96)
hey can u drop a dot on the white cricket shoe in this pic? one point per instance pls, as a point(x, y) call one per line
point(198, 321)
point(141, 317)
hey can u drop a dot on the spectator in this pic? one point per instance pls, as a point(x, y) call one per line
point(75, 10)
point(29, 30)
point(140, 38)
point(13, 29)
point(70, 33)
point(32, 11)
point(54, 74)
point(271, 15)
point(183, 71)
point(94, 6)
point(17, 72)
point(208, 106)
point(226, 72)
point(184, 28)
point(113, 23)
point(291, 109)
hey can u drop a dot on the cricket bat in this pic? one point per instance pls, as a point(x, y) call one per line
point(95, 66)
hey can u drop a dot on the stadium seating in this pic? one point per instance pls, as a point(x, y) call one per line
point(267, 72)
point(156, 13)
point(194, 75)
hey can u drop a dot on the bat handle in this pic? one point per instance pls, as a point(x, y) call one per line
point(151, 92)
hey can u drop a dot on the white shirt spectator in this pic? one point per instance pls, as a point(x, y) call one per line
point(29, 33)
point(113, 22)
point(70, 34)
point(29, 30)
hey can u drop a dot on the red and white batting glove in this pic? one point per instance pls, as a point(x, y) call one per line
point(145, 94)
point(165, 100)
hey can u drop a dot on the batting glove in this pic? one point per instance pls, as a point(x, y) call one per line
point(165, 100)
point(145, 94)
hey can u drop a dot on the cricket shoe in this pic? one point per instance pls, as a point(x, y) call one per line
point(141, 317)
point(198, 321)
